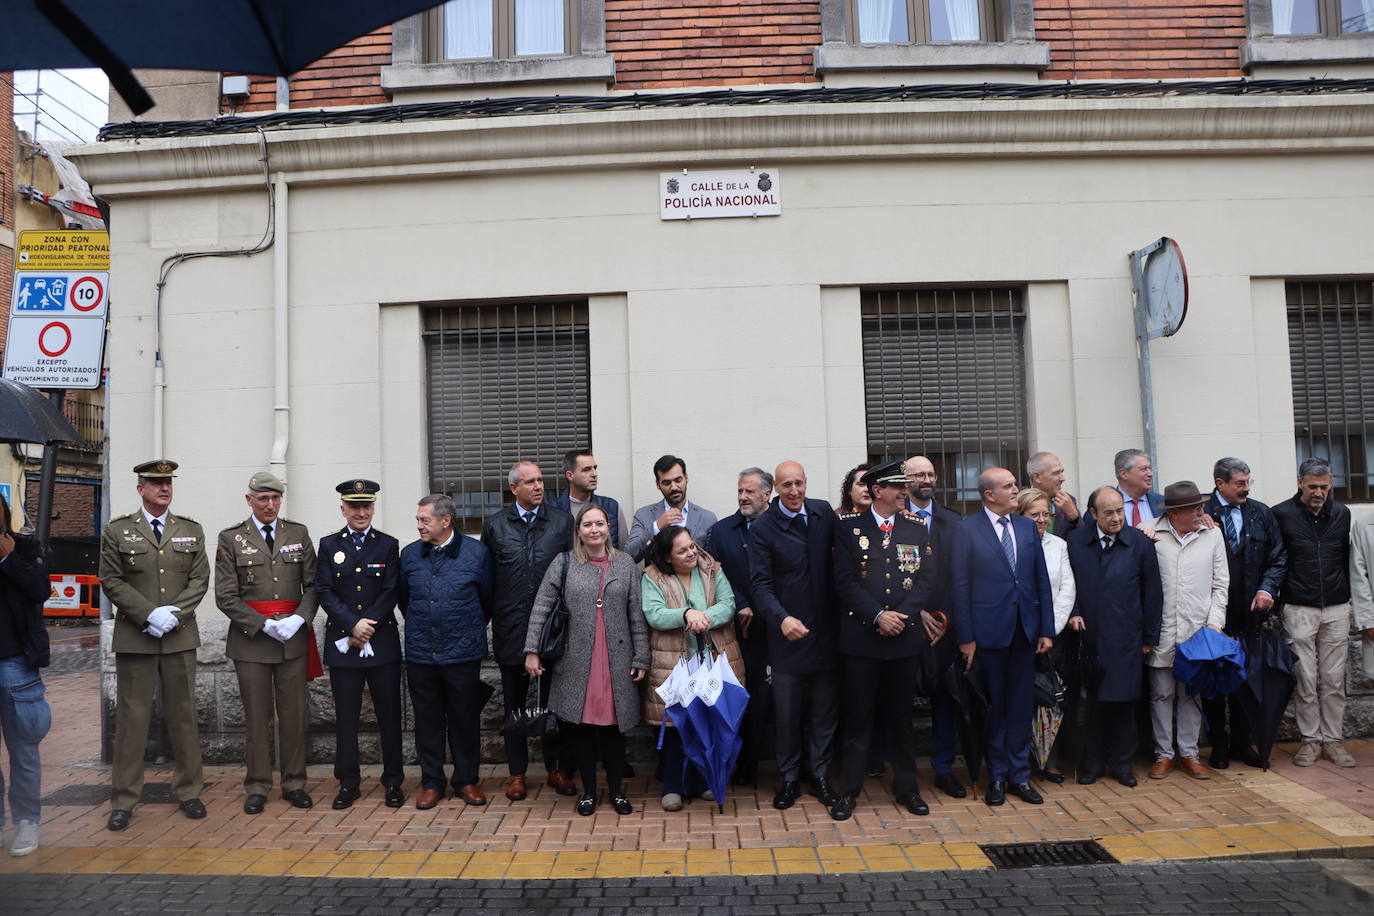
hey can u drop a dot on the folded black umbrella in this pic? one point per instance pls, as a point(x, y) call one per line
point(967, 687)
point(1269, 684)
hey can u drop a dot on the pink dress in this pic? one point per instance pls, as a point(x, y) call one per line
point(599, 707)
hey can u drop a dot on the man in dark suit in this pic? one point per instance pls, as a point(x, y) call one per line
point(883, 582)
point(1047, 475)
point(1258, 564)
point(1135, 478)
point(523, 539)
point(580, 469)
point(1004, 613)
point(728, 542)
point(1116, 620)
point(793, 584)
point(941, 521)
point(356, 573)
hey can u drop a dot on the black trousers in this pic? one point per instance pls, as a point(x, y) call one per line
point(447, 711)
point(384, 684)
point(515, 691)
point(1110, 737)
point(756, 727)
point(590, 743)
point(886, 690)
point(815, 700)
point(1215, 710)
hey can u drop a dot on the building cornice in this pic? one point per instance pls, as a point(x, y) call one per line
point(698, 136)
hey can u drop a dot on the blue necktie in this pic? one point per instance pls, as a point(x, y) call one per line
point(1228, 524)
point(1007, 547)
point(358, 538)
point(924, 516)
point(157, 531)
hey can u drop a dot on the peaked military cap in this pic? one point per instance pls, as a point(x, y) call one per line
point(157, 469)
point(359, 490)
point(264, 481)
point(889, 473)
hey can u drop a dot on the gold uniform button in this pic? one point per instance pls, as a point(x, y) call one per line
point(887, 591)
point(161, 552)
point(162, 589)
point(357, 569)
point(358, 587)
point(162, 570)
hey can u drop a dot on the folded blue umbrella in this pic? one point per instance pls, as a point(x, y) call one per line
point(1210, 663)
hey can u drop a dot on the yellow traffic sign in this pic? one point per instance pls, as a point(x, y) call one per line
point(63, 249)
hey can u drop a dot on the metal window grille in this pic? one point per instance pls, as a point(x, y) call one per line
point(944, 377)
point(506, 381)
point(1331, 347)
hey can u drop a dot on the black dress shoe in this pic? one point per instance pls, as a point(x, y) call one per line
point(395, 798)
point(254, 804)
point(1026, 792)
point(118, 820)
point(345, 799)
point(1127, 779)
point(949, 784)
point(787, 795)
point(621, 804)
point(1056, 778)
point(996, 794)
point(1219, 759)
point(914, 803)
point(825, 791)
point(298, 798)
point(843, 808)
point(1086, 779)
point(586, 805)
point(1248, 757)
point(193, 808)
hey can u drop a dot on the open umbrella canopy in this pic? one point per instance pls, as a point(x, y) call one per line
point(26, 415)
point(1210, 663)
point(250, 36)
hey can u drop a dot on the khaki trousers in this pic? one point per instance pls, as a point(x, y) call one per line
point(136, 677)
point(263, 685)
point(1320, 638)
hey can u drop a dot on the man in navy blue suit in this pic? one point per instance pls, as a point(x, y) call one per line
point(728, 542)
point(580, 469)
point(1135, 478)
point(1004, 613)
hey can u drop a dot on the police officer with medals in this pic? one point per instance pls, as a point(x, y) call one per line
point(884, 578)
point(265, 585)
point(154, 569)
point(356, 575)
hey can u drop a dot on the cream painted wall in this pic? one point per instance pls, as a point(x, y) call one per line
point(730, 342)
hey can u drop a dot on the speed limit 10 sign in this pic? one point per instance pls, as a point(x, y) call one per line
point(67, 292)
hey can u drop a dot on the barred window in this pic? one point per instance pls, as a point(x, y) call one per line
point(944, 377)
point(1331, 346)
point(506, 381)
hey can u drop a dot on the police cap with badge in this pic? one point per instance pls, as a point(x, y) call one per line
point(359, 490)
point(890, 473)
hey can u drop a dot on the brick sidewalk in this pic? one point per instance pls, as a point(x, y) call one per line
point(1288, 811)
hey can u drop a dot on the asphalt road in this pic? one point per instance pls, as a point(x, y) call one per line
point(1246, 887)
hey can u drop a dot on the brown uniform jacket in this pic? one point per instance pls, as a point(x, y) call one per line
point(246, 571)
point(139, 574)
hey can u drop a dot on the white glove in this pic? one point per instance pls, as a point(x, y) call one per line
point(287, 626)
point(163, 618)
point(272, 629)
point(154, 631)
point(366, 651)
point(342, 645)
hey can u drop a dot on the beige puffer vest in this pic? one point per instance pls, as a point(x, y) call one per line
point(667, 646)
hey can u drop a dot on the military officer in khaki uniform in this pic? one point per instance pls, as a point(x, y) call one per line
point(153, 567)
point(265, 584)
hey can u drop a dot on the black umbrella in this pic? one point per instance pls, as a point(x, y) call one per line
point(274, 38)
point(1269, 683)
point(26, 415)
point(967, 687)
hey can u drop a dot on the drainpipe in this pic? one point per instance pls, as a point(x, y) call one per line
point(281, 327)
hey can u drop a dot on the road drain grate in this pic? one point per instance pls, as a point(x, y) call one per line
point(1039, 855)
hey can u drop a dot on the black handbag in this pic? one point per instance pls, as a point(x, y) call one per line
point(530, 721)
point(1049, 686)
point(553, 638)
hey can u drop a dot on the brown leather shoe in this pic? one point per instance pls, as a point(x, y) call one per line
point(471, 794)
point(1162, 767)
point(1195, 768)
point(561, 783)
point(515, 787)
point(428, 798)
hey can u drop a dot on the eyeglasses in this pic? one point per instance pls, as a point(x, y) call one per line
point(266, 498)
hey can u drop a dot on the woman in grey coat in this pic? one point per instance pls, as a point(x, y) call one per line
point(594, 690)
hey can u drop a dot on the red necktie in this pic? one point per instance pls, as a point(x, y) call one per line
point(1135, 512)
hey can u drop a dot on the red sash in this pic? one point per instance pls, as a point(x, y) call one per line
point(313, 668)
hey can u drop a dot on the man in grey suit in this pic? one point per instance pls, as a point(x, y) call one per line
point(670, 476)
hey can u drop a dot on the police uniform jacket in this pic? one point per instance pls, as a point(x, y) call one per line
point(139, 574)
point(245, 570)
point(357, 582)
point(871, 578)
